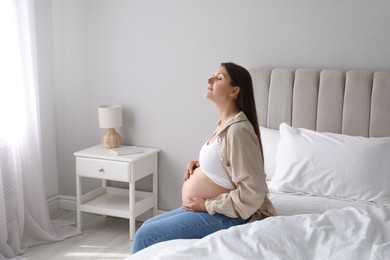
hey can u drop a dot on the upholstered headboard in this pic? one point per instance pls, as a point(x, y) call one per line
point(347, 102)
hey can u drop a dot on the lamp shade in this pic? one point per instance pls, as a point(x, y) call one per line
point(110, 116)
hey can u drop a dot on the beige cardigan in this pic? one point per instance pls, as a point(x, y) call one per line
point(239, 152)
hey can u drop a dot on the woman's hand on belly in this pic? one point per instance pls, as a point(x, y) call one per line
point(195, 204)
point(190, 169)
point(200, 186)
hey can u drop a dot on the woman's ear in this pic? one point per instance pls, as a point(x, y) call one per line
point(235, 91)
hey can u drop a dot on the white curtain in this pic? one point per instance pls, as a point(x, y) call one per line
point(24, 216)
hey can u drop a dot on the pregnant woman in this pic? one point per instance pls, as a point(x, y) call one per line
point(226, 186)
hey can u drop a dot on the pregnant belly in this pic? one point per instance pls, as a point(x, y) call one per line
point(199, 185)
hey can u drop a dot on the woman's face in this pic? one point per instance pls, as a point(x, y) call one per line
point(219, 88)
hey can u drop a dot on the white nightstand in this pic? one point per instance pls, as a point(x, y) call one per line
point(96, 162)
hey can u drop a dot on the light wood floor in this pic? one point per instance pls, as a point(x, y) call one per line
point(102, 238)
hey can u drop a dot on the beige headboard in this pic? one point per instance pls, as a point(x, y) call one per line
point(347, 102)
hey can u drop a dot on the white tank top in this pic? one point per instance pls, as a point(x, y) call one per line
point(211, 165)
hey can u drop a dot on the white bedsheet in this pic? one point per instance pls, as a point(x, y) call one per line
point(287, 204)
point(348, 233)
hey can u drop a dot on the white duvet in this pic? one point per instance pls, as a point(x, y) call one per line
point(347, 233)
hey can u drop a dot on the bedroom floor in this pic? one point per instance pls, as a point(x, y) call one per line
point(102, 238)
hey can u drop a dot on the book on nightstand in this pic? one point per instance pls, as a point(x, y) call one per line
point(123, 150)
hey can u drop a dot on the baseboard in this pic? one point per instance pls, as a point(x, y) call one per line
point(61, 202)
point(69, 203)
point(53, 203)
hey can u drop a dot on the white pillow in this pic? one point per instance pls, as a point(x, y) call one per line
point(332, 165)
point(269, 140)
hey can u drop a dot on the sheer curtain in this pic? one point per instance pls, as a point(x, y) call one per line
point(24, 217)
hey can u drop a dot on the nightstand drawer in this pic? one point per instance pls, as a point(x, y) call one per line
point(103, 169)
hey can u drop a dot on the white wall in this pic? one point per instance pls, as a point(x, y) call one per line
point(154, 57)
point(44, 32)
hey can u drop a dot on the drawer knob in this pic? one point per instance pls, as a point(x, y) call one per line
point(101, 170)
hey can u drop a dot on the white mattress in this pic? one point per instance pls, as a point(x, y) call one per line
point(291, 204)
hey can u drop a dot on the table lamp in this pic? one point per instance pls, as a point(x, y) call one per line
point(110, 117)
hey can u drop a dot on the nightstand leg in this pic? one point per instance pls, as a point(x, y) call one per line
point(78, 202)
point(131, 207)
point(155, 191)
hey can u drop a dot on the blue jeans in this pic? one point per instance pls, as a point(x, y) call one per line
point(180, 223)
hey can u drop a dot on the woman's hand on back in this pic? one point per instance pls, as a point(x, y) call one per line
point(191, 166)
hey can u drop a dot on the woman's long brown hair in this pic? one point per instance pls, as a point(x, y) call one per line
point(246, 100)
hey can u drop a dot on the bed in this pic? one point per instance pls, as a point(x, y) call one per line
point(326, 141)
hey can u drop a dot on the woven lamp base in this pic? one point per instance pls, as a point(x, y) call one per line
point(111, 139)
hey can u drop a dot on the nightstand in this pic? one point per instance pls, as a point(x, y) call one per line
point(96, 162)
